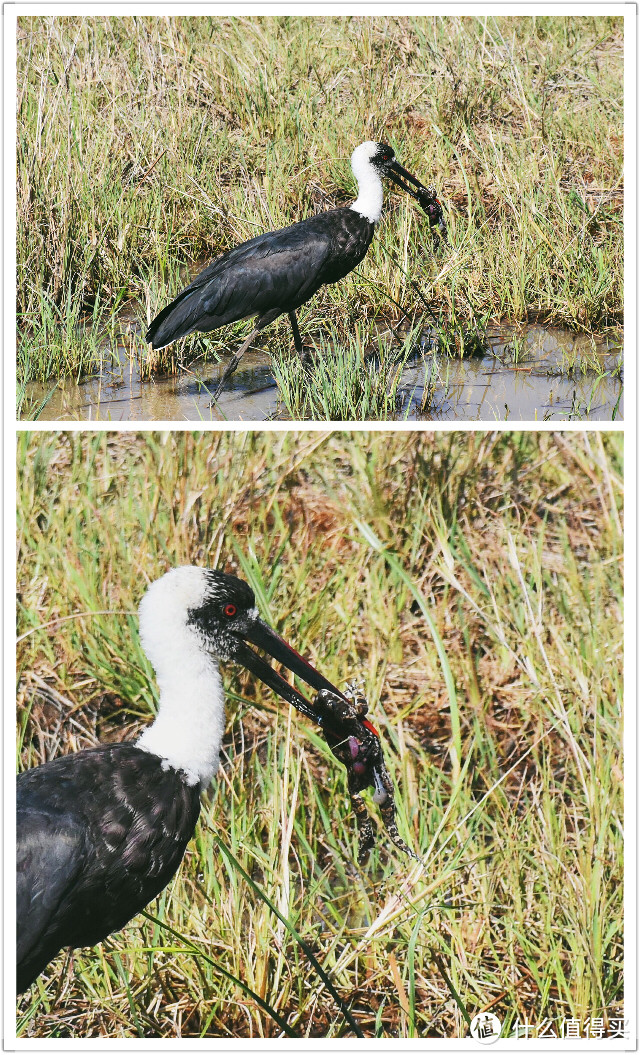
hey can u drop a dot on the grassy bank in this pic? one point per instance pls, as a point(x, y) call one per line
point(474, 581)
point(148, 145)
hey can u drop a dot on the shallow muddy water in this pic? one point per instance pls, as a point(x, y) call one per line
point(558, 376)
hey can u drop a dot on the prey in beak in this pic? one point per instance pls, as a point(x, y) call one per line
point(342, 718)
point(361, 754)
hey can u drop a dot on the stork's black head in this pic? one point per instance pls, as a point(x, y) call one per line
point(383, 158)
point(225, 612)
point(222, 611)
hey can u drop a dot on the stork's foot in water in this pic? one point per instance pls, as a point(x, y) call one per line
point(355, 743)
point(233, 366)
point(307, 360)
point(304, 354)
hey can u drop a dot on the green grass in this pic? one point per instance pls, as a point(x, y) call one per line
point(474, 581)
point(147, 145)
point(344, 382)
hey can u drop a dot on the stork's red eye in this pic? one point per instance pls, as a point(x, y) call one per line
point(230, 610)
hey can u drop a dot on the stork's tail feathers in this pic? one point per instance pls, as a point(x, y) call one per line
point(173, 322)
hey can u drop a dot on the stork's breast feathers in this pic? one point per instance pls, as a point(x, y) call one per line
point(118, 822)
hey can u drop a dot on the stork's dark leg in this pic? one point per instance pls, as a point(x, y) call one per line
point(305, 356)
point(234, 363)
point(297, 339)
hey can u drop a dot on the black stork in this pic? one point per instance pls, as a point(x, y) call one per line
point(275, 273)
point(101, 832)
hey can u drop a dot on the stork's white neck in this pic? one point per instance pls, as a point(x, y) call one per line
point(189, 726)
point(369, 200)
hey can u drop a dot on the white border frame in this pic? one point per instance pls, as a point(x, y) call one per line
point(629, 12)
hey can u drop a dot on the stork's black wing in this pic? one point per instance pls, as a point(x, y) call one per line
point(267, 276)
point(271, 274)
point(50, 850)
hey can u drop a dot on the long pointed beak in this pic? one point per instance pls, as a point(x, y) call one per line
point(396, 171)
point(262, 636)
point(424, 195)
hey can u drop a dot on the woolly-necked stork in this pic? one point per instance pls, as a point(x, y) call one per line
point(279, 271)
point(101, 832)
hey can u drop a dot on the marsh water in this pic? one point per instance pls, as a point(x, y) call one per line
point(555, 375)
